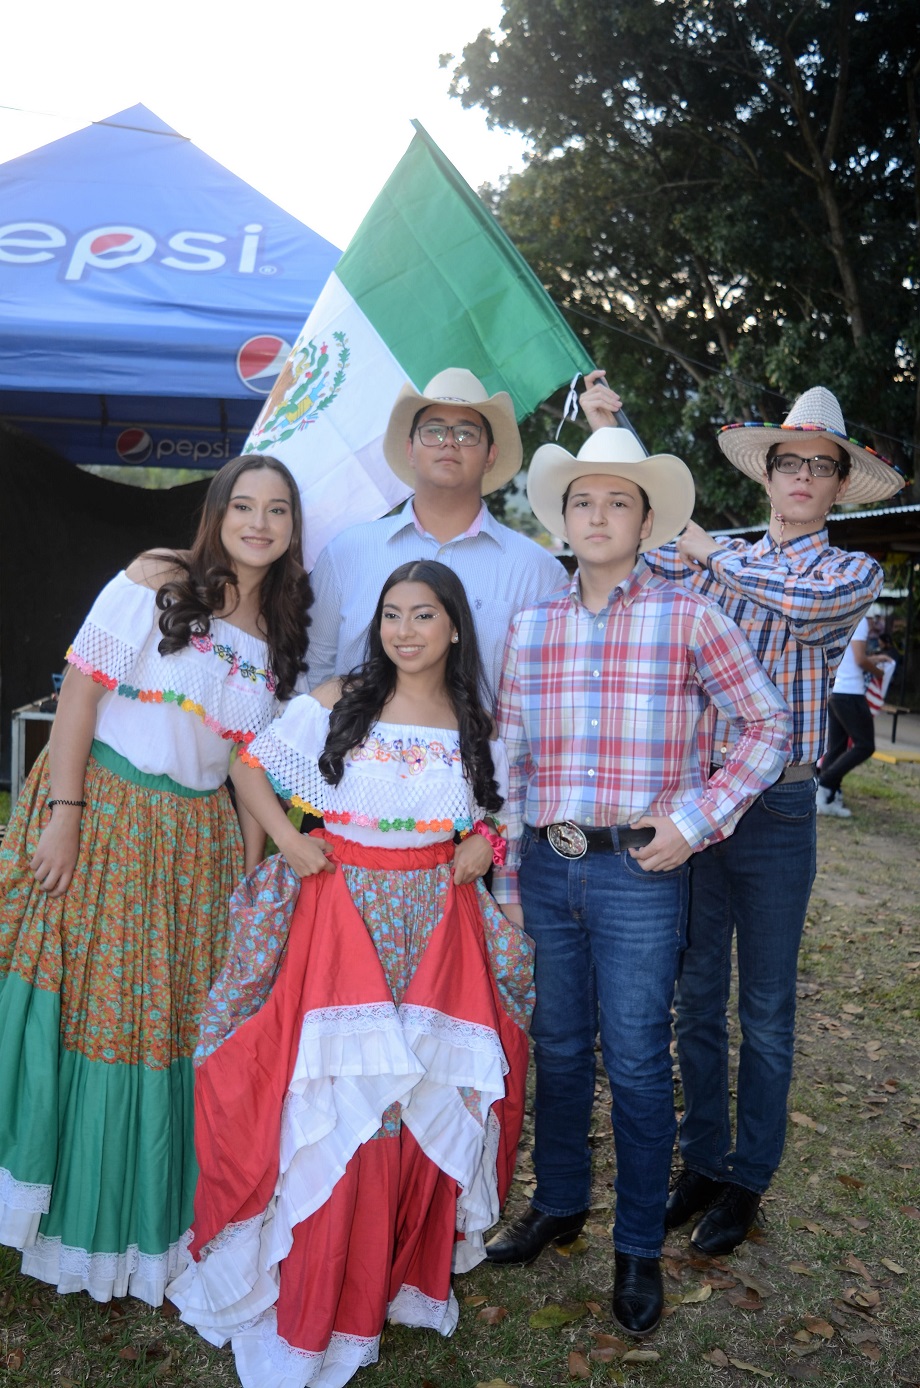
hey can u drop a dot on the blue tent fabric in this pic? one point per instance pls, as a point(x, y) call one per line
point(148, 296)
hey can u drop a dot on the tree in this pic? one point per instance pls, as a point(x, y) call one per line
point(733, 183)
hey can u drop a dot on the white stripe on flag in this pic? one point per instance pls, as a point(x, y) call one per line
point(335, 452)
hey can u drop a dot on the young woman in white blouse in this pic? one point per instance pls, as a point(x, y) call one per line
point(115, 881)
point(359, 1094)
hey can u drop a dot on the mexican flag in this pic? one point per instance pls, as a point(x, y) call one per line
point(429, 280)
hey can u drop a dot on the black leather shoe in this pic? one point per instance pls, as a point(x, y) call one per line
point(692, 1193)
point(727, 1222)
point(638, 1296)
point(524, 1240)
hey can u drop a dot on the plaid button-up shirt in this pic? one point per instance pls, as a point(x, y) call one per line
point(609, 716)
point(797, 604)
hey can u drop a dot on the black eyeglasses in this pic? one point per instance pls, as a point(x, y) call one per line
point(819, 466)
point(463, 435)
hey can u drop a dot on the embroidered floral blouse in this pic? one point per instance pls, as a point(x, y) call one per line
point(175, 715)
point(403, 786)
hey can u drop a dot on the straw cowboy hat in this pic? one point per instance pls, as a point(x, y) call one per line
point(872, 477)
point(666, 481)
point(455, 386)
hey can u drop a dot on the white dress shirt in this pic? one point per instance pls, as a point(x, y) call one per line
point(501, 570)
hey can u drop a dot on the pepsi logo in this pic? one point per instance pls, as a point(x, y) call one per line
point(114, 247)
point(134, 445)
point(259, 360)
point(113, 240)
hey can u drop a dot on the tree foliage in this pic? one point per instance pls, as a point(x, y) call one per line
point(734, 185)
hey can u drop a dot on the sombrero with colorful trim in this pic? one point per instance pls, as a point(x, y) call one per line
point(872, 477)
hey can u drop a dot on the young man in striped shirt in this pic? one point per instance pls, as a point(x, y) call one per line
point(797, 599)
point(607, 701)
point(452, 443)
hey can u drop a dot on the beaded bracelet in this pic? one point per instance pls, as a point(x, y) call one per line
point(50, 804)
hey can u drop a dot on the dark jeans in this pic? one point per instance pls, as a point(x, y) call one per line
point(849, 719)
point(608, 938)
point(754, 885)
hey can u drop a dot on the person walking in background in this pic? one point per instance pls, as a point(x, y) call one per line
point(850, 723)
point(115, 880)
point(453, 443)
point(358, 1114)
point(606, 707)
point(797, 599)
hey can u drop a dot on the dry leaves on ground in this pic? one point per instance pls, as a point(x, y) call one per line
point(492, 1315)
point(578, 1365)
point(552, 1316)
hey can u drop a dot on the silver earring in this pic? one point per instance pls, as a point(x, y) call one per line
point(455, 638)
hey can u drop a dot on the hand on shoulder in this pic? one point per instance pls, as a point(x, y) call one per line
point(153, 568)
point(694, 545)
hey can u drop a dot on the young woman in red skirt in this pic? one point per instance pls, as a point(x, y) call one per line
point(359, 1094)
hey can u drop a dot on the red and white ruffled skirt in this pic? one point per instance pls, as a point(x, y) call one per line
point(358, 1104)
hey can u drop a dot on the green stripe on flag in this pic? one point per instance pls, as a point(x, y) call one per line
point(443, 285)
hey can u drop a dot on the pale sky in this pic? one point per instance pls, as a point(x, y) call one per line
point(309, 102)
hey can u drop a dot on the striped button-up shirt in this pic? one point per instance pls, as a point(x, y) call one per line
point(501, 571)
point(797, 604)
point(608, 716)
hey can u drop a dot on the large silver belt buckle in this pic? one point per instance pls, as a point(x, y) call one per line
point(567, 840)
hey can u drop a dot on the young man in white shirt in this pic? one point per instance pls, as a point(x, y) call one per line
point(453, 442)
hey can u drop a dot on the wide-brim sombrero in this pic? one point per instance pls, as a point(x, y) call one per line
point(817, 412)
point(456, 386)
point(665, 479)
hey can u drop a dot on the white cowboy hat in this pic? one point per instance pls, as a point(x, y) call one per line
point(456, 386)
point(872, 477)
point(666, 481)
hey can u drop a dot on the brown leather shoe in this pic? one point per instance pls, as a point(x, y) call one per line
point(521, 1242)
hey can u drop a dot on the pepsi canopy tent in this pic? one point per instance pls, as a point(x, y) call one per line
point(148, 296)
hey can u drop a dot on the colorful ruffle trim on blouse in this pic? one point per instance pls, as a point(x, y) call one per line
point(362, 821)
point(242, 737)
point(286, 794)
point(418, 826)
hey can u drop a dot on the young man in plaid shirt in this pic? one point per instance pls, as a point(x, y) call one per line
point(797, 599)
point(608, 697)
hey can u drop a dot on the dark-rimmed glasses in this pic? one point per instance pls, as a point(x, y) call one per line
point(463, 435)
point(819, 466)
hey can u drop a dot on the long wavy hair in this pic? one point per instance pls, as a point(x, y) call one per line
point(188, 602)
point(366, 689)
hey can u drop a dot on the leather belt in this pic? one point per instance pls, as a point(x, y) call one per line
point(805, 771)
point(573, 840)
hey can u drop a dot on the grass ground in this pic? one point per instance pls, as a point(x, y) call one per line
point(827, 1292)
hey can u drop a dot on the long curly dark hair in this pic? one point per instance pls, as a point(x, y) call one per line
point(366, 689)
point(189, 602)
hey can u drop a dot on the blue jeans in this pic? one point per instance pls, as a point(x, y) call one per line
point(608, 937)
point(756, 885)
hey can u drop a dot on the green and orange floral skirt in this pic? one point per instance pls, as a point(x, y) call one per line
point(101, 993)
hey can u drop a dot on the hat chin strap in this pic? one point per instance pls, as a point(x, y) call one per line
point(783, 521)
